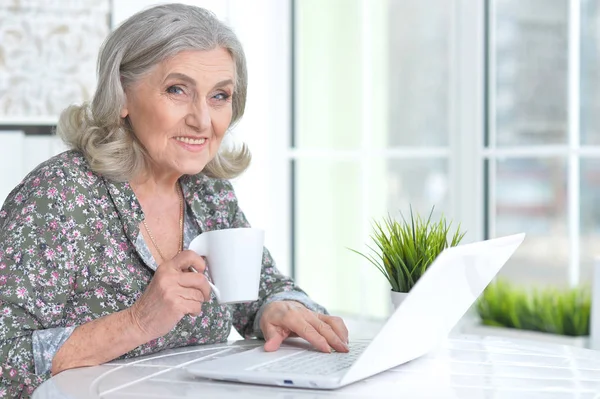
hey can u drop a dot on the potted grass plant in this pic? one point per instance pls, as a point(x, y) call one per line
point(404, 249)
point(546, 314)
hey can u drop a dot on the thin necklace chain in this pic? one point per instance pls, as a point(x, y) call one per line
point(180, 194)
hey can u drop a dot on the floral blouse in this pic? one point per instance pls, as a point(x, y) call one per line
point(71, 252)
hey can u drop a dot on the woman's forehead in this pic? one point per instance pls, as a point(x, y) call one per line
point(216, 62)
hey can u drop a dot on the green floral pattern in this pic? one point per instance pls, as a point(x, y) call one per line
point(68, 256)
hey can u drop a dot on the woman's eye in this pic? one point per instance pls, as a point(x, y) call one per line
point(175, 90)
point(222, 96)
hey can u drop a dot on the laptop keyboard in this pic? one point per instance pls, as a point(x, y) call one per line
point(311, 363)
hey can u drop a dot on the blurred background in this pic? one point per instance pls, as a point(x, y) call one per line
point(488, 110)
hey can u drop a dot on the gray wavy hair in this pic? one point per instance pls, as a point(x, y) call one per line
point(130, 51)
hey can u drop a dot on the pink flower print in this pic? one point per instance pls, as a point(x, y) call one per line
point(230, 196)
point(2, 214)
point(110, 252)
point(205, 321)
point(12, 373)
point(9, 250)
point(80, 200)
point(49, 254)
point(99, 225)
point(6, 311)
point(123, 246)
point(52, 192)
point(54, 276)
point(100, 292)
point(21, 292)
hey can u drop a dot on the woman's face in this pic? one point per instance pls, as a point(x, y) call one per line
point(181, 110)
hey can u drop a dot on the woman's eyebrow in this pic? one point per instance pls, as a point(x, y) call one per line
point(192, 82)
point(224, 83)
point(181, 76)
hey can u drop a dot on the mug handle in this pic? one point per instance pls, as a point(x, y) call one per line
point(200, 246)
point(212, 286)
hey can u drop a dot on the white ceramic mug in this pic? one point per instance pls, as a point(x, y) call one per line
point(234, 258)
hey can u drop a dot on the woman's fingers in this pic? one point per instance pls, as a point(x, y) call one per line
point(191, 294)
point(337, 324)
point(188, 258)
point(192, 307)
point(196, 281)
point(326, 331)
point(314, 330)
point(274, 337)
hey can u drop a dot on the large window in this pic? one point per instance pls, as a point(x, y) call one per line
point(372, 135)
point(543, 169)
point(489, 111)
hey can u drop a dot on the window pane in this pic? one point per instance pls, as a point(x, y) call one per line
point(407, 96)
point(422, 184)
point(530, 52)
point(590, 215)
point(329, 74)
point(419, 73)
point(590, 72)
point(328, 223)
point(531, 197)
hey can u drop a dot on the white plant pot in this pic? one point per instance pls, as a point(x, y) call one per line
point(397, 298)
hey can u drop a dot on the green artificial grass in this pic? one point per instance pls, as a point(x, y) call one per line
point(564, 312)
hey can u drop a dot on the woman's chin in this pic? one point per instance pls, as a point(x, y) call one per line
point(192, 169)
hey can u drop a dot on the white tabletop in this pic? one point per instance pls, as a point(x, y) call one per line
point(463, 367)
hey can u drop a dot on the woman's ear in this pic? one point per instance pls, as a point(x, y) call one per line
point(124, 110)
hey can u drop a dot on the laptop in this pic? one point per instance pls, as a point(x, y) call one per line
point(423, 320)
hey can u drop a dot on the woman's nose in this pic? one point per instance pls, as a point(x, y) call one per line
point(199, 116)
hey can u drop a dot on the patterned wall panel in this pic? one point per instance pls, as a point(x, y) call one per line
point(48, 52)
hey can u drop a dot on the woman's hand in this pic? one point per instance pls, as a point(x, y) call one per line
point(283, 319)
point(172, 293)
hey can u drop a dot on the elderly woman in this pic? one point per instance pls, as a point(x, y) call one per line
point(92, 259)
